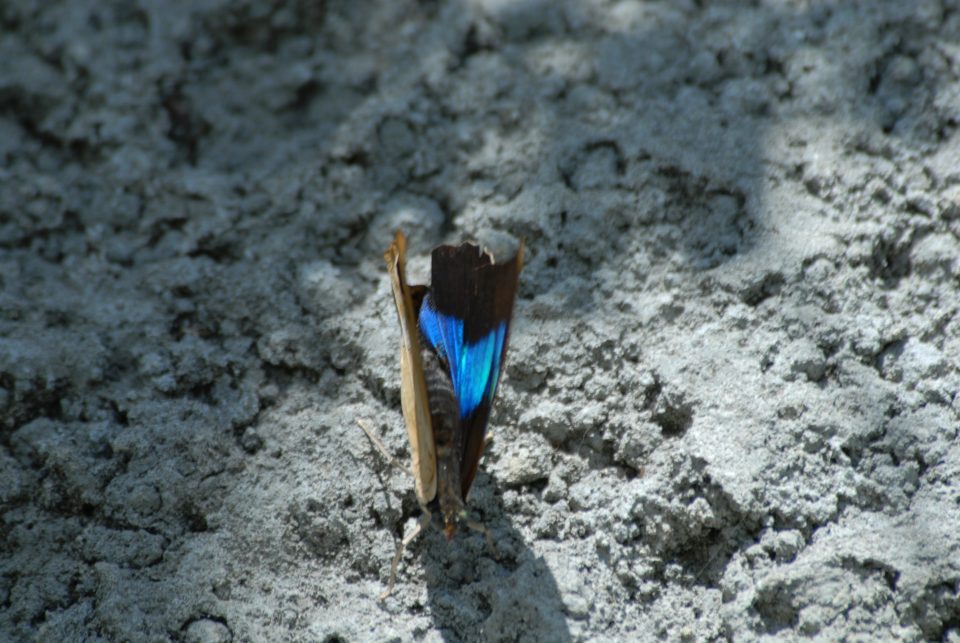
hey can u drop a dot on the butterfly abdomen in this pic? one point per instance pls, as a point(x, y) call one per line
point(447, 434)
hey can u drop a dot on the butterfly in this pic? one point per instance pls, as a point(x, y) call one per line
point(453, 346)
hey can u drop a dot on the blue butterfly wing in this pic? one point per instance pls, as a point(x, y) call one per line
point(465, 318)
point(474, 367)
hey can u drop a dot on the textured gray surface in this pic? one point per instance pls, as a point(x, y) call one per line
point(731, 403)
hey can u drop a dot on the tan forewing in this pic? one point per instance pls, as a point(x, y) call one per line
point(413, 387)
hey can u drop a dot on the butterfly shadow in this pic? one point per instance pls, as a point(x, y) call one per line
point(473, 595)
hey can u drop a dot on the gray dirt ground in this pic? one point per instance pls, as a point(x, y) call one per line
point(731, 406)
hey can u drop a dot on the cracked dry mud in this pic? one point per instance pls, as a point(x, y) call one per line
point(730, 409)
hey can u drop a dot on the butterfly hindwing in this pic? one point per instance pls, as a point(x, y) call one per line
point(465, 317)
point(413, 388)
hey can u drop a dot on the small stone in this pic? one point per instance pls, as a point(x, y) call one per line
point(805, 359)
point(527, 461)
point(251, 441)
point(919, 361)
point(206, 630)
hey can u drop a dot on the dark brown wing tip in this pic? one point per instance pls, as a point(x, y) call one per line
point(484, 255)
point(468, 251)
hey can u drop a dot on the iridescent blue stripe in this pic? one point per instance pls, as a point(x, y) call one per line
point(474, 369)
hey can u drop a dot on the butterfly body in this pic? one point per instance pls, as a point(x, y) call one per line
point(454, 337)
point(447, 437)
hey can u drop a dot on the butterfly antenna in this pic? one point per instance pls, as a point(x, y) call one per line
point(381, 446)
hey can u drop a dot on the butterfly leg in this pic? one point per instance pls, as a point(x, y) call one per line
point(476, 526)
point(424, 522)
point(365, 425)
